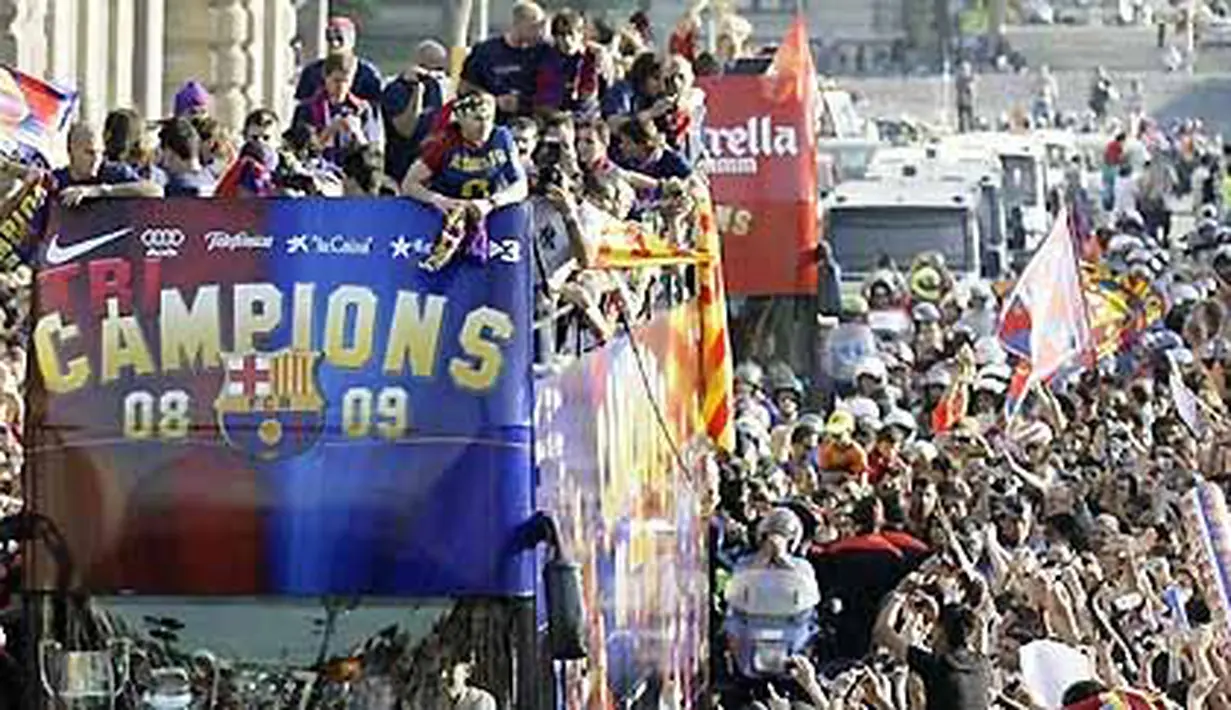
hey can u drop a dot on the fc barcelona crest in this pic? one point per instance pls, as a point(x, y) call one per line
point(270, 405)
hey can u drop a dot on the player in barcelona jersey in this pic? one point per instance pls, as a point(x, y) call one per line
point(470, 163)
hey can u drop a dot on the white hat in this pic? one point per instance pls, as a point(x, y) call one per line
point(996, 371)
point(871, 366)
point(991, 384)
point(1184, 293)
point(1035, 433)
point(988, 351)
point(923, 449)
point(1181, 356)
point(861, 408)
point(937, 376)
point(1123, 243)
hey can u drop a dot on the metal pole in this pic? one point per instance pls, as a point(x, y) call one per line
point(460, 20)
point(483, 21)
point(945, 78)
point(1191, 39)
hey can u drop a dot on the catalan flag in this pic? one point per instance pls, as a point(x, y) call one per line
point(33, 113)
point(625, 245)
point(716, 369)
point(1121, 307)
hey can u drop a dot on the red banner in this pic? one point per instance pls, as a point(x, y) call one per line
point(763, 167)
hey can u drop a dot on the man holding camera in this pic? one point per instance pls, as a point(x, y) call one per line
point(955, 675)
point(410, 102)
point(339, 117)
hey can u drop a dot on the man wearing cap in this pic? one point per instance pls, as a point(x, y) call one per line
point(506, 66)
point(365, 79)
point(340, 117)
point(849, 343)
point(840, 452)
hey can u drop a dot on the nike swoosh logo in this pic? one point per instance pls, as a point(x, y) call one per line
point(57, 254)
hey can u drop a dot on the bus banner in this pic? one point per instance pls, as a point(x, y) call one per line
point(270, 397)
point(762, 161)
point(622, 452)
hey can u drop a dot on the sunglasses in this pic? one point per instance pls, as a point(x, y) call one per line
point(335, 36)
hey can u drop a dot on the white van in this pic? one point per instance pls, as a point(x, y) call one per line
point(1023, 164)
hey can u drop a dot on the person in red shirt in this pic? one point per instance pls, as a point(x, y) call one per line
point(886, 457)
point(1114, 153)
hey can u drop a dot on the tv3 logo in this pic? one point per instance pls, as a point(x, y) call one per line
point(506, 250)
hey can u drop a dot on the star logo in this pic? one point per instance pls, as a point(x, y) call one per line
point(297, 244)
point(401, 248)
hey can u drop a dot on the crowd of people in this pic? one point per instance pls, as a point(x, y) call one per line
point(948, 524)
point(586, 122)
point(944, 532)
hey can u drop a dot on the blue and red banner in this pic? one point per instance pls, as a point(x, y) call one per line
point(271, 398)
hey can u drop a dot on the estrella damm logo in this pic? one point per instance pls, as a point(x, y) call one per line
point(270, 404)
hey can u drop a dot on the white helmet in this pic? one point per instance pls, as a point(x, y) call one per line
point(861, 408)
point(988, 351)
point(784, 522)
point(901, 418)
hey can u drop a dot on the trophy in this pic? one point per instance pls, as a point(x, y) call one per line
point(169, 689)
point(84, 679)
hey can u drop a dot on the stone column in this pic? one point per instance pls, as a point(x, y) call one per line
point(253, 48)
point(279, 64)
point(148, 57)
point(93, 48)
point(188, 29)
point(10, 31)
point(228, 62)
point(122, 64)
point(23, 35)
point(61, 34)
point(313, 16)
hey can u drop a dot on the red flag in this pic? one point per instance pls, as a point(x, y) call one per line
point(949, 410)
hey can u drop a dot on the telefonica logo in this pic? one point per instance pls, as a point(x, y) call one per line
point(737, 150)
point(228, 241)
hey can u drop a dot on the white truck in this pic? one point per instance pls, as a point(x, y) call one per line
point(869, 221)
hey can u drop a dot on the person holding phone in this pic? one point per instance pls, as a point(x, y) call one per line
point(339, 117)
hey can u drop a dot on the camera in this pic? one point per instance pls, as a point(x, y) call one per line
point(548, 159)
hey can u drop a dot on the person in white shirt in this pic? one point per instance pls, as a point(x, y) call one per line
point(1125, 193)
point(458, 693)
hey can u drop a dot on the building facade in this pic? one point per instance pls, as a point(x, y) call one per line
point(136, 53)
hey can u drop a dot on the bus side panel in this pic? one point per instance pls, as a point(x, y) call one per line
point(631, 507)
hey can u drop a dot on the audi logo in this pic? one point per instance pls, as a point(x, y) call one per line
point(162, 241)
